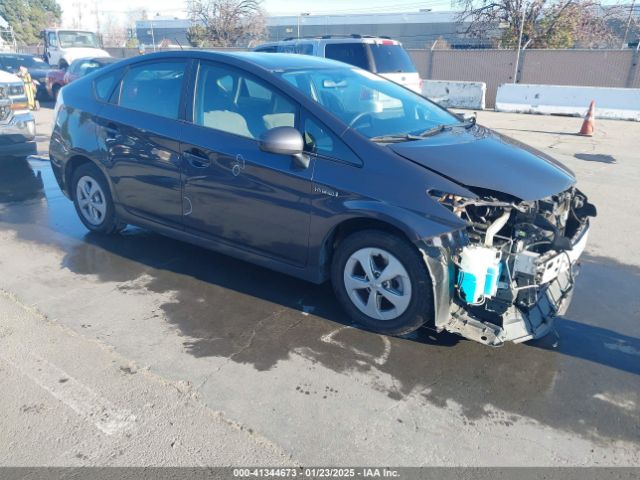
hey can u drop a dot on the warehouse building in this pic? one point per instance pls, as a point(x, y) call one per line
point(413, 29)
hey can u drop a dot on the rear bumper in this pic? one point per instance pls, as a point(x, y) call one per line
point(17, 135)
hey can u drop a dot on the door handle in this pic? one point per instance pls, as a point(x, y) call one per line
point(196, 159)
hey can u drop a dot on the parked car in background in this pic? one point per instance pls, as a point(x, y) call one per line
point(56, 79)
point(380, 55)
point(17, 125)
point(418, 216)
point(62, 47)
point(35, 65)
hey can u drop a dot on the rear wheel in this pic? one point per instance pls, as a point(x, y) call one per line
point(92, 199)
point(382, 282)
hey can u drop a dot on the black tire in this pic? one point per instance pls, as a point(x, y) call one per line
point(108, 223)
point(420, 309)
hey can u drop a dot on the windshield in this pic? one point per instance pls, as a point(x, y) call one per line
point(391, 59)
point(373, 106)
point(69, 39)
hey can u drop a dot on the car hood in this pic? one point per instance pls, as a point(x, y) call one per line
point(74, 53)
point(478, 157)
point(6, 77)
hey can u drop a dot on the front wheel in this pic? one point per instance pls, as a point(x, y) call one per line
point(92, 199)
point(382, 282)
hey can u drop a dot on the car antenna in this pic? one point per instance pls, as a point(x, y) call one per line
point(179, 44)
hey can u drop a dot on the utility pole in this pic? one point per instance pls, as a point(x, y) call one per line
point(153, 37)
point(626, 30)
point(515, 70)
point(303, 14)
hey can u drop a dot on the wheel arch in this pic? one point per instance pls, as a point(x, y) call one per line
point(363, 215)
point(73, 163)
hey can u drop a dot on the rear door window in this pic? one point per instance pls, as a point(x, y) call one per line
point(154, 88)
point(351, 53)
point(391, 59)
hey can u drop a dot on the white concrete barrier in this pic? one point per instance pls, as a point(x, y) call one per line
point(469, 95)
point(616, 103)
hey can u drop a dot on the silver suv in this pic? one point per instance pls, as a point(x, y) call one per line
point(380, 55)
point(17, 125)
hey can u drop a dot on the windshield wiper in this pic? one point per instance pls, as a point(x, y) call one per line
point(467, 123)
point(405, 137)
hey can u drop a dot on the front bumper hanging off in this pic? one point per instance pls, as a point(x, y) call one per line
point(518, 325)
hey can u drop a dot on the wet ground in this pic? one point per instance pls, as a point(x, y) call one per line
point(278, 355)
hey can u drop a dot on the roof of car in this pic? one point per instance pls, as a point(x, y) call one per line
point(286, 61)
point(267, 61)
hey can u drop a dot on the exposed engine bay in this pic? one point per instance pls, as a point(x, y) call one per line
point(517, 270)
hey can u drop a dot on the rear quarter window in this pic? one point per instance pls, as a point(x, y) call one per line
point(392, 59)
point(351, 53)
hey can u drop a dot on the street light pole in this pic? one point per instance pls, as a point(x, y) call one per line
point(153, 37)
point(515, 70)
point(302, 14)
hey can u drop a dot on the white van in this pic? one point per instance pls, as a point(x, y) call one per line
point(380, 55)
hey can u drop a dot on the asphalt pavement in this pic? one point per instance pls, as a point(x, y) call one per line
point(141, 350)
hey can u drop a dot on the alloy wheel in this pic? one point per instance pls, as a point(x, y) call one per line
point(91, 200)
point(377, 283)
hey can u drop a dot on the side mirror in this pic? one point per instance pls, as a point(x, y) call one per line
point(285, 141)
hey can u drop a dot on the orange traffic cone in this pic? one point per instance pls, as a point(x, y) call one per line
point(588, 124)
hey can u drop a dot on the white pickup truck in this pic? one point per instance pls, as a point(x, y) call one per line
point(17, 125)
point(61, 47)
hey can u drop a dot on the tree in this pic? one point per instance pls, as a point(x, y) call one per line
point(226, 23)
point(29, 17)
point(114, 33)
point(197, 36)
point(545, 23)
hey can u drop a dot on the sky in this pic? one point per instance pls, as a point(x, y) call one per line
point(177, 8)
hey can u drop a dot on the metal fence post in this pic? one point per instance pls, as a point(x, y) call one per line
point(633, 67)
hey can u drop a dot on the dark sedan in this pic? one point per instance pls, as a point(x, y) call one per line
point(324, 171)
point(37, 67)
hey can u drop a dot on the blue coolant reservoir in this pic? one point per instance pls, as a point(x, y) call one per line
point(491, 281)
point(470, 290)
point(479, 273)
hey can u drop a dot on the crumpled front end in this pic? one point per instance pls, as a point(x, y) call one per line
point(513, 270)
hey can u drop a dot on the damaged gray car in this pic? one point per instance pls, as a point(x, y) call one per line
point(324, 171)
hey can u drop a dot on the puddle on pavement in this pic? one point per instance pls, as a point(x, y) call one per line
point(228, 308)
